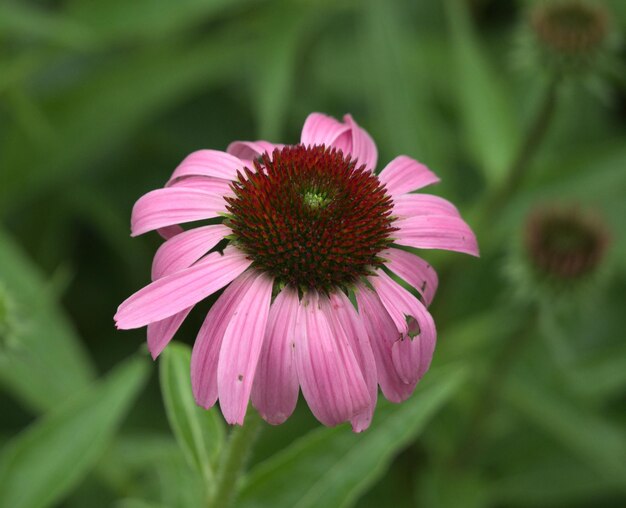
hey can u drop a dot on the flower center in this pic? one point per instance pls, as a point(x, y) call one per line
point(310, 217)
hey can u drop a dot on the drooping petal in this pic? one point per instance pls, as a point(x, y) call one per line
point(173, 205)
point(329, 373)
point(206, 348)
point(217, 186)
point(275, 390)
point(362, 148)
point(241, 347)
point(345, 316)
point(410, 205)
point(413, 352)
point(436, 232)
point(250, 150)
point(320, 129)
point(208, 163)
point(174, 293)
point(404, 174)
point(414, 270)
point(161, 332)
point(383, 334)
point(169, 231)
point(186, 248)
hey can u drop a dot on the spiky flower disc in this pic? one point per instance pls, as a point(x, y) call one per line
point(311, 217)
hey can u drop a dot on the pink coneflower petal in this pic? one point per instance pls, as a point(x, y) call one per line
point(184, 249)
point(161, 332)
point(410, 205)
point(206, 349)
point(208, 184)
point(362, 148)
point(320, 129)
point(275, 390)
point(414, 270)
point(413, 353)
point(250, 150)
point(329, 374)
point(383, 334)
point(436, 232)
point(404, 174)
point(173, 205)
point(344, 314)
point(208, 163)
point(241, 348)
point(174, 293)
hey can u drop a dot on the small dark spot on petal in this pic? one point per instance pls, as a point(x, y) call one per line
point(240, 377)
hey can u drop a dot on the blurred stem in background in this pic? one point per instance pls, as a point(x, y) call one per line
point(234, 460)
point(531, 143)
point(528, 148)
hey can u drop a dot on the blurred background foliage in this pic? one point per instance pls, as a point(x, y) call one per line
point(525, 405)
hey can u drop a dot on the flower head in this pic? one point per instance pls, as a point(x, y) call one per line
point(298, 233)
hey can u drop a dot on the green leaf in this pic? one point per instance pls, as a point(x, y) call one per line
point(486, 112)
point(46, 361)
point(43, 463)
point(113, 101)
point(199, 432)
point(332, 467)
point(597, 442)
point(398, 92)
point(22, 19)
point(118, 21)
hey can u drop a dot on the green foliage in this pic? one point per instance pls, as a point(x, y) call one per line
point(330, 467)
point(46, 360)
point(44, 462)
point(199, 433)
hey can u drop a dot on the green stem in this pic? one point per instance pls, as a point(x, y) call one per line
point(234, 459)
point(529, 147)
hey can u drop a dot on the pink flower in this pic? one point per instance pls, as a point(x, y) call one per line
point(299, 233)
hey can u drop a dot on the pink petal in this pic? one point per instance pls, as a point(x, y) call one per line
point(414, 270)
point(241, 348)
point(344, 315)
point(436, 232)
point(216, 186)
point(185, 249)
point(410, 205)
point(320, 129)
point(173, 205)
point(363, 148)
point(169, 231)
point(404, 174)
point(329, 374)
point(206, 349)
point(383, 334)
point(275, 390)
point(411, 354)
point(174, 293)
point(250, 150)
point(209, 163)
point(161, 332)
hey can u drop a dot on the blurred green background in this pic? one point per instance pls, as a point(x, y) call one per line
point(525, 405)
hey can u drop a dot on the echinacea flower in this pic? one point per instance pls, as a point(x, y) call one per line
point(304, 232)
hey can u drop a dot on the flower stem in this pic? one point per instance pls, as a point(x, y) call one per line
point(531, 143)
point(234, 459)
